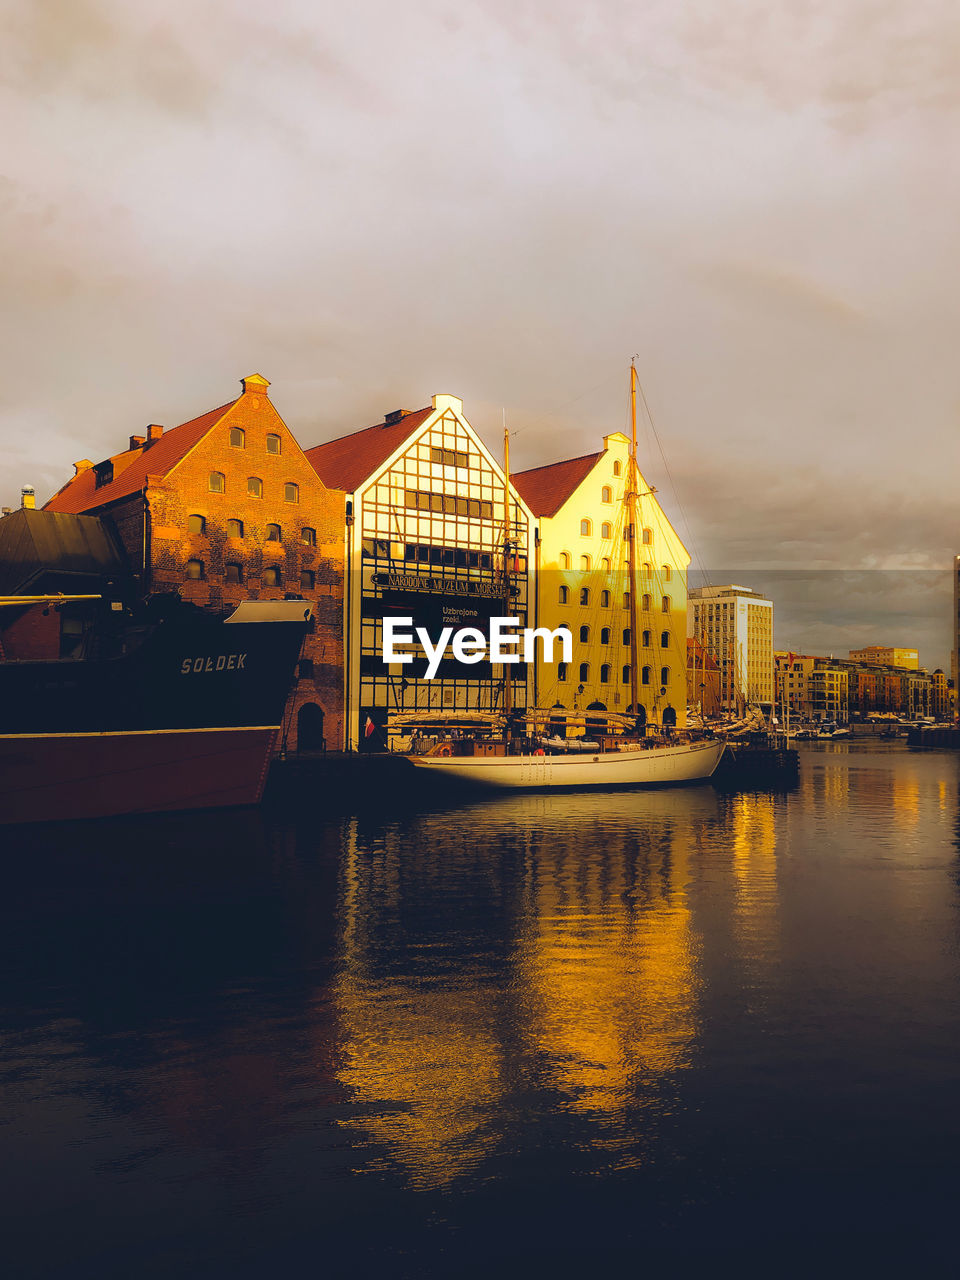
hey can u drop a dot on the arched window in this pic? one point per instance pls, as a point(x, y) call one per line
point(196, 524)
point(291, 492)
point(646, 568)
point(626, 599)
point(233, 572)
point(625, 674)
point(307, 579)
point(605, 530)
point(564, 559)
point(584, 595)
point(605, 674)
point(238, 437)
point(605, 564)
point(664, 639)
point(193, 569)
point(308, 536)
point(271, 576)
point(274, 533)
point(584, 672)
point(606, 494)
point(254, 486)
point(667, 573)
point(645, 639)
point(604, 635)
point(647, 537)
point(217, 482)
point(645, 601)
point(584, 635)
point(626, 635)
point(585, 564)
point(234, 528)
point(562, 672)
point(665, 605)
point(644, 675)
point(604, 599)
point(616, 468)
point(664, 676)
point(564, 595)
point(586, 528)
point(273, 443)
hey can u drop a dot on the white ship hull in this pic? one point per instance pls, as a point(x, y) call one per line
point(643, 767)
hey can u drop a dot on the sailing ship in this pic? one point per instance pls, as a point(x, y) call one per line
point(518, 750)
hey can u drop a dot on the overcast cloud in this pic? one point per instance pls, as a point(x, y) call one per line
point(371, 203)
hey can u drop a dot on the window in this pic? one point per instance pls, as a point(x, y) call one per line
point(645, 601)
point(196, 524)
point(604, 599)
point(646, 568)
point(645, 639)
point(216, 482)
point(562, 672)
point(664, 675)
point(308, 537)
point(586, 528)
point(667, 573)
point(585, 564)
point(584, 635)
point(291, 492)
point(449, 457)
point(255, 487)
point(564, 595)
point(664, 639)
point(584, 672)
point(665, 605)
point(644, 675)
point(234, 528)
point(605, 674)
point(238, 438)
point(626, 635)
point(606, 495)
point(647, 537)
point(102, 474)
point(273, 443)
point(605, 564)
point(605, 530)
point(564, 559)
point(626, 599)
point(616, 468)
point(625, 675)
point(308, 579)
point(232, 572)
point(194, 569)
point(271, 576)
point(274, 533)
point(584, 595)
point(604, 635)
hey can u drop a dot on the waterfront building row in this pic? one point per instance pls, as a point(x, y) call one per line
point(827, 688)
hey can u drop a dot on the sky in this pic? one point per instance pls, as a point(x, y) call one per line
point(506, 201)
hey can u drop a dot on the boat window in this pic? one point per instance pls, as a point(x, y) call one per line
point(271, 576)
point(605, 530)
point(273, 443)
point(232, 572)
point(586, 528)
point(664, 639)
point(564, 595)
point(584, 564)
point(605, 674)
point(291, 492)
point(606, 495)
point(562, 672)
point(238, 437)
point(665, 605)
point(644, 675)
point(234, 528)
point(308, 537)
point(255, 486)
point(584, 635)
point(564, 559)
point(216, 483)
point(194, 569)
point(307, 579)
point(584, 672)
point(604, 635)
point(196, 524)
point(584, 595)
point(604, 599)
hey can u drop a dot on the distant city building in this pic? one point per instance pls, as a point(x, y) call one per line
point(583, 585)
point(703, 680)
point(908, 659)
point(226, 508)
point(424, 539)
point(735, 625)
point(827, 688)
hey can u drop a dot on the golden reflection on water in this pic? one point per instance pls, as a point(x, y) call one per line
point(751, 821)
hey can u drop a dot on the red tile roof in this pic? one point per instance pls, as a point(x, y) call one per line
point(346, 462)
point(546, 489)
point(132, 467)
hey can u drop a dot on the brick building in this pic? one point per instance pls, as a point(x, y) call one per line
point(226, 508)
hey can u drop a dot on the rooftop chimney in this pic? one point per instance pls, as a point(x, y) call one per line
point(28, 499)
point(448, 402)
point(137, 442)
point(154, 432)
point(254, 384)
point(83, 465)
point(394, 416)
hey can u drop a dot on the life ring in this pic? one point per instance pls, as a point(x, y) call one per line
point(539, 752)
point(444, 750)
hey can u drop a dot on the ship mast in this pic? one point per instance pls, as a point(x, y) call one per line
point(507, 682)
point(631, 496)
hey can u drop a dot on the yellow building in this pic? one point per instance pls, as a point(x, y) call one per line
point(582, 583)
point(907, 659)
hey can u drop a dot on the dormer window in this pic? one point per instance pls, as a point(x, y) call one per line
point(103, 473)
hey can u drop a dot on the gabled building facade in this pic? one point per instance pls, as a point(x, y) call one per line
point(583, 584)
point(226, 508)
point(425, 539)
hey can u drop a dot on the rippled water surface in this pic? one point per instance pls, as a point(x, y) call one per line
point(540, 1035)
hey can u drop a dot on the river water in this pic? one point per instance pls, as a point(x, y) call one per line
point(532, 1035)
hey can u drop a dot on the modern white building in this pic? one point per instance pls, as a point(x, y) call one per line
point(735, 626)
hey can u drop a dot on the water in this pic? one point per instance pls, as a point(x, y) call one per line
point(527, 1036)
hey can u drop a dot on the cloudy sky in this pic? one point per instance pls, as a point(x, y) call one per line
point(506, 200)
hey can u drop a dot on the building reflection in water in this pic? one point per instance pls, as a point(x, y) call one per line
point(558, 944)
